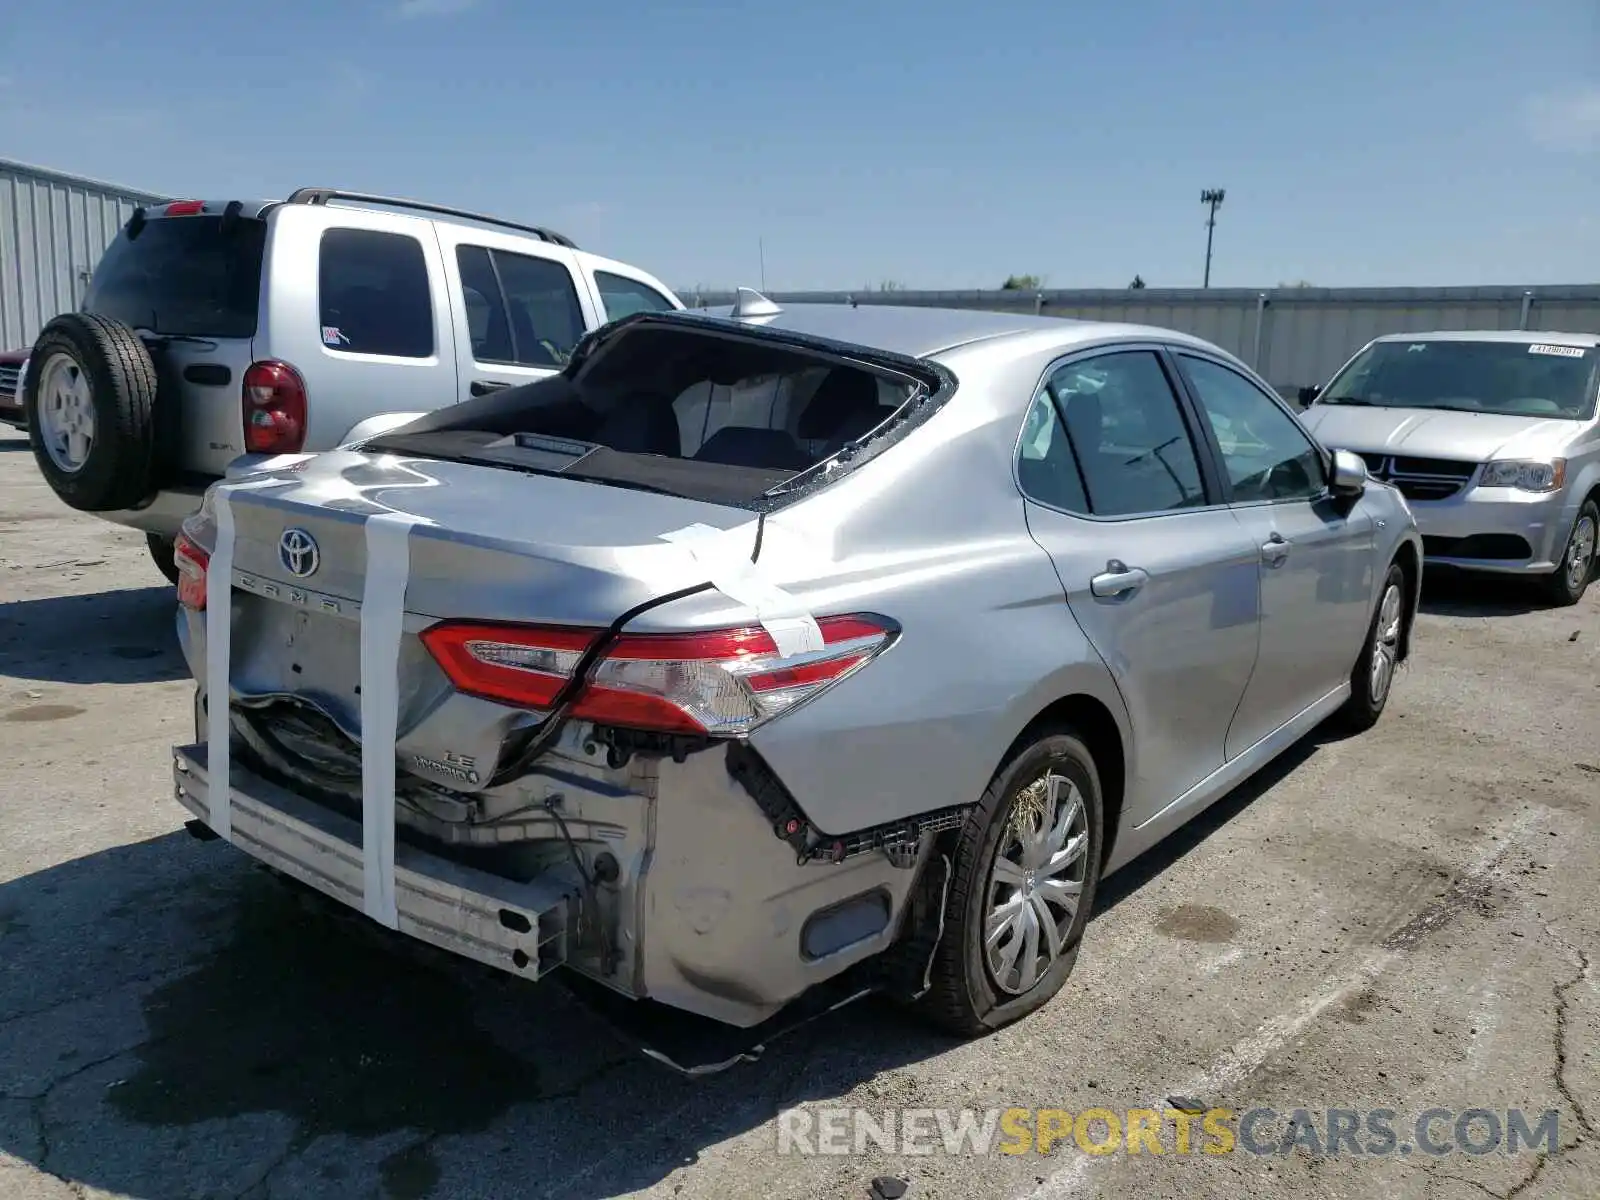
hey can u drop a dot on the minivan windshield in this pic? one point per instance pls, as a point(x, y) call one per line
point(696, 412)
point(183, 276)
point(1518, 379)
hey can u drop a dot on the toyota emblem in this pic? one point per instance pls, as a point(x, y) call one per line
point(297, 551)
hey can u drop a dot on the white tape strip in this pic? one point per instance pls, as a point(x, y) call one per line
point(383, 604)
point(726, 562)
point(219, 650)
point(219, 658)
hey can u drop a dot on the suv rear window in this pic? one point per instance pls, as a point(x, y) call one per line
point(373, 294)
point(183, 276)
point(698, 412)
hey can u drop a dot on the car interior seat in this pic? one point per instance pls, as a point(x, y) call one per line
point(750, 446)
point(530, 349)
point(844, 407)
point(641, 424)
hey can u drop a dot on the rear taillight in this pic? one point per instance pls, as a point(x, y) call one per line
point(725, 682)
point(192, 563)
point(185, 208)
point(274, 408)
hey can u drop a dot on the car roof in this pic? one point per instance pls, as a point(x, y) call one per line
point(1525, 337)
point(917, 331)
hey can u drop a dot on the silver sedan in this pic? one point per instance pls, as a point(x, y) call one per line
point(768, 648)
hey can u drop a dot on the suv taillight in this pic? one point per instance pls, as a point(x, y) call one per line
point(274, 408)
point(725, 682)
point(193, 563)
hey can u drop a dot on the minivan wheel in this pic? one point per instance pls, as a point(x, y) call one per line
point(161, 553)
point(1373, 677)
point(1025, 872)
point(89, 401)
point(1567, 583)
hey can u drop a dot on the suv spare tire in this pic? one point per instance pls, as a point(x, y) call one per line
point(89, 399)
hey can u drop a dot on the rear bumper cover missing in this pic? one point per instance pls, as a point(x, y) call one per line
point(522, 928)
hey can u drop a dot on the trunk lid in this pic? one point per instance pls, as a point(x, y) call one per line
point(490, 545)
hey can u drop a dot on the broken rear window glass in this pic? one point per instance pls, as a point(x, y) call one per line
point(694, 411)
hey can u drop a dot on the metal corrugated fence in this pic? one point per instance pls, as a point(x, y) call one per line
point(53, 229)
point(1295, 337)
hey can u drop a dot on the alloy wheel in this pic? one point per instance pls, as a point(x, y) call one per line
point(1580, 552)
point(66, 413)
point(1385, 644)
point(1036, 882)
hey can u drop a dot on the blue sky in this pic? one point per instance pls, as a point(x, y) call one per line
point(936, 144)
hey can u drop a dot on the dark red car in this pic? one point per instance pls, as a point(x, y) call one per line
point(11, 387)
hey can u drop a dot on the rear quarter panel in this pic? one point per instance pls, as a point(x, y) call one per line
point(931, 533)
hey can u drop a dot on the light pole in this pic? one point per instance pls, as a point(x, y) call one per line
point(1212, 198)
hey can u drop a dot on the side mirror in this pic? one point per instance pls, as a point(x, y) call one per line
point(1349, 474)
point(1308, 396)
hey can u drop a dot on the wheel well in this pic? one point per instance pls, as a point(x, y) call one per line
point(1093, 720)
point(1406, 557)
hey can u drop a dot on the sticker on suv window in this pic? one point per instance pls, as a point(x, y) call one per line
point(332, 337)
point(1560, 351)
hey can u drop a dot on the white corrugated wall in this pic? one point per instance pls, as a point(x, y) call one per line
point(53, 229)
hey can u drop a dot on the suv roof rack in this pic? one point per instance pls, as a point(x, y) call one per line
point(313, 195)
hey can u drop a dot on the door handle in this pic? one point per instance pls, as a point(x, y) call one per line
point(1118, 579)
point(482, 387)
point(1275, 550)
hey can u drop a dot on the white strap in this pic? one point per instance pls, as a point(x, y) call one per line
point(219, 656)
point(383, 604)
point(726, 562)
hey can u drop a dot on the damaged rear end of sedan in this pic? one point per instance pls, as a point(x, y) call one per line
point(498, 679)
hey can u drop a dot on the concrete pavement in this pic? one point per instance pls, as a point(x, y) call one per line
point(1403, 920)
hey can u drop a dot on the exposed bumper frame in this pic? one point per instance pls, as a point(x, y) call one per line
point(522, 928)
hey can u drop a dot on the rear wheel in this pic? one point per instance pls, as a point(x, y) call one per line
point(1022, 888)
point(89, 401)
point(1373, 676)
point(161, 553)
point(1570, 579)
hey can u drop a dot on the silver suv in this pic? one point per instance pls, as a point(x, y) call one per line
point(216, 335)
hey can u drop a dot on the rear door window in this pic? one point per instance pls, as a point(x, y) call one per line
point(487, 325)
point(373, 294)
point(623, 297)
point(521, 310)
point(185, 276)
point(1128, 441)
point(542, 305)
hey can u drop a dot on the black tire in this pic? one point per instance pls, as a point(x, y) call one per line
point(964, 996)
point(119, 468)
point(1366, 704)
point(1567, 583)
point(161, 554)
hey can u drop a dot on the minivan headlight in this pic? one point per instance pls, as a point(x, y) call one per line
point(1525, 476)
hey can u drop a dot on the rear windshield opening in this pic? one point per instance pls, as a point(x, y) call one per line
point(183, 276)
point(1508, 378)
point(695, 412)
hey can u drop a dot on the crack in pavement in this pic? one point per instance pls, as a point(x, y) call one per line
point(36, 1109)
point(154, 978)
point(1558, 1072)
